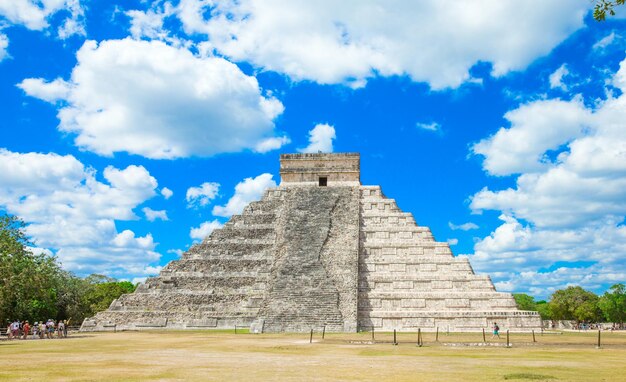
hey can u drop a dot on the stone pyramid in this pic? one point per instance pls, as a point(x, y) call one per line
point(319, 250)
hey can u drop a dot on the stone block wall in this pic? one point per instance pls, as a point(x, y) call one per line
point(407, 280)
point(306, 169)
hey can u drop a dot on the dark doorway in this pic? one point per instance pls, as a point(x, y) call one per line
point(323, 181)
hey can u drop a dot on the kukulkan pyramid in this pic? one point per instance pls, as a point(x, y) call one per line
point(320, 249)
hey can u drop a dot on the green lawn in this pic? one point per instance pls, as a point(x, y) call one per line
point(223, 355)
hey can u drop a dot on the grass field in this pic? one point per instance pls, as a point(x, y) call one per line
point(225, 356)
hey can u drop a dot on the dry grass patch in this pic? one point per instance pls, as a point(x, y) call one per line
point(218, 356)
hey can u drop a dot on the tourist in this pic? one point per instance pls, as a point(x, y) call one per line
point(9, 329)
point(65, 325)
point(60, 329)
point(496, 331)
point(42, 330)
point(50, 328)
point(25, 330)
point(15, 329)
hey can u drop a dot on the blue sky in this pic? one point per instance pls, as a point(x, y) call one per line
point(131, 129)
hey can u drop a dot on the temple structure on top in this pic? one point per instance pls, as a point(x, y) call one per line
point(319, 250)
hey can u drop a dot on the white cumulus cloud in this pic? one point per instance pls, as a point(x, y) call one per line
point(202, 196)
point(270, 144)
point(4, 44)
point(204, 230)
point(152, 215)
point(73, 213)
point(167, 193)
point(246, 191)
point(158, 101)
point(433, 126)
point(52, 91)
point(320, 139)
point(536, 127)
point(604, 42)
point(35, 14)
point(463, 227)
point(563, 221)
point(147, 24)
point(350, 41)
point(556, 78)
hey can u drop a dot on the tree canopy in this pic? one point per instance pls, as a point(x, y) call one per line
point(34, 287)
point(524, 301)
point(29, 282)
point(574, 303)
point(613, 304)
point(604, 7)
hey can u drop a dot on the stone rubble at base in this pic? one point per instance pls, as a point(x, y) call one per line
point(306, 255)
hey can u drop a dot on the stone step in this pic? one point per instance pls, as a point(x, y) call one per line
point(454, 299)
point(386, 207)
point(420, 277)
point(421, 286)
point(374, 214)
point(412, 229)
point(408, 250)
point(236, 241)
point(438, 304)
point(410, 259)
point(364, 295)
point(214, 283)
point(217, 275)
point(247, 246)
point(243, 233)
point(452, 313)
point(253, 219)
point(230, 225)
point(394, 268)
point(207, 265)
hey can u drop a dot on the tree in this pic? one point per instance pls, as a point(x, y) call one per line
point(34, 286)
point(613, 304)
point(103, 290)
point(574, 303)
point(603, 7)
point(28, 282)
point(544, 310)
point(524, 301)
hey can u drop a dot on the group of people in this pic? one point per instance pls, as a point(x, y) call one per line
point(49, 329)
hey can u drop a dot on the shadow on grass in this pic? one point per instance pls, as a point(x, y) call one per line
point(528, 376)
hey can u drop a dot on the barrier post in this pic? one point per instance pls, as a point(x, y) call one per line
point(324, 332)
point(484, 338)
point(419, 337)
point(534, 340)
point(598, 347)
point(437, 335)
point(394, 337)
point(508, 343)
point(311, 337)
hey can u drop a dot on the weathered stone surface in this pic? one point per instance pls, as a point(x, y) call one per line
point(314, 279)
point(307, 255)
